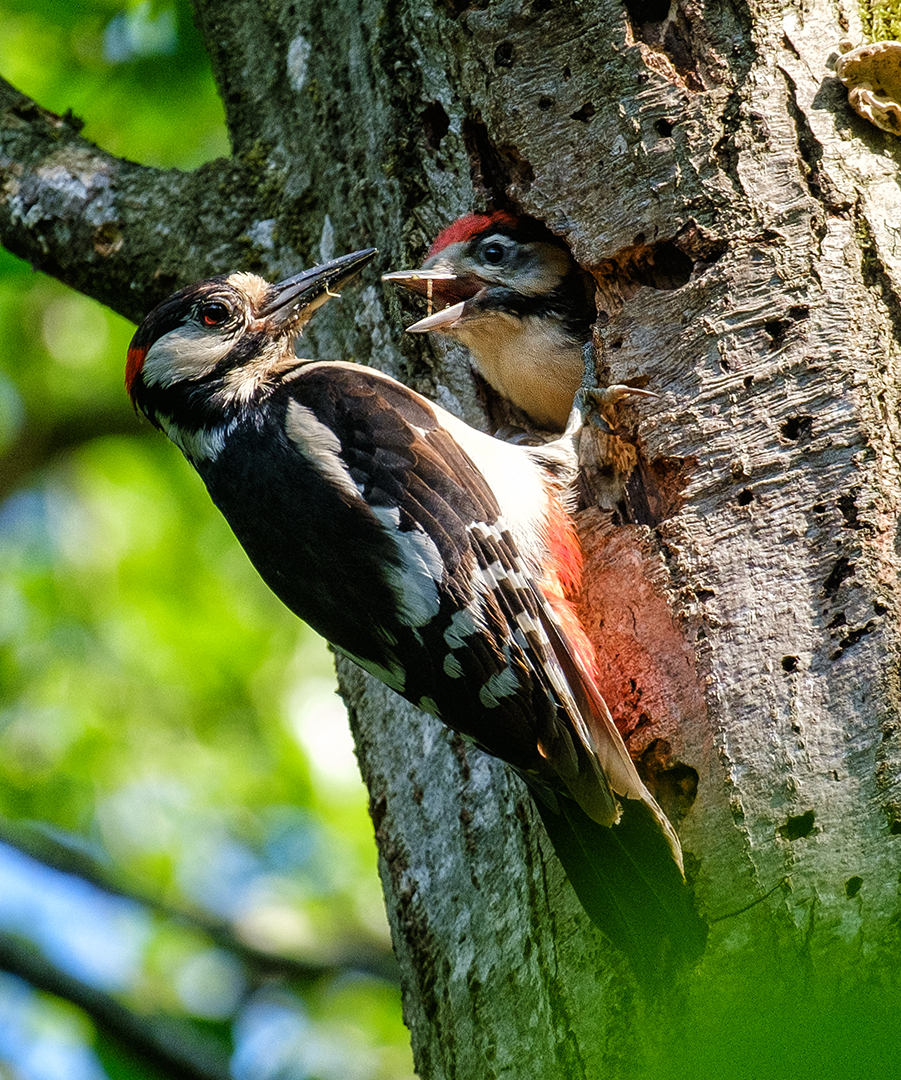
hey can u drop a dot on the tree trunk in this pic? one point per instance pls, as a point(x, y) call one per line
point(743, 226)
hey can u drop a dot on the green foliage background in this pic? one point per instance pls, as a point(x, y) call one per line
point(167, 729)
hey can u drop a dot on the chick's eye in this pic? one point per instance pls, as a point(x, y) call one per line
point(494, 253)
point(214, 312)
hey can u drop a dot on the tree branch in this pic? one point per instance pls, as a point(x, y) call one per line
point(37, 445)
point(174, 1048)
point(60, 853)
point(123, 233)
point(241, 38)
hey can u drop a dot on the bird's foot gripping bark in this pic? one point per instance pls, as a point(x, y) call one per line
point(592, 400)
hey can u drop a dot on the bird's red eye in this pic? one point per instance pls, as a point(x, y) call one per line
point(214, 312)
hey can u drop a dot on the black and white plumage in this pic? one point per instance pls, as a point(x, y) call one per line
point(434, 556)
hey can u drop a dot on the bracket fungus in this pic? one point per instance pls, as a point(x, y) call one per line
point(872, 74)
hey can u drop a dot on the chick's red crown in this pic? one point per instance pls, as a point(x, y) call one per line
point(470, 225)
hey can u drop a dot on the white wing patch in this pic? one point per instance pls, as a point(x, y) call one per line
point(517, 481)
point(497, 573)
point(501, 684)
point(320, 447)
point(452, 667)
point(416, 582)
point(464, 624)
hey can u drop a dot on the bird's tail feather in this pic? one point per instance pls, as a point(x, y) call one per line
point(625, 878)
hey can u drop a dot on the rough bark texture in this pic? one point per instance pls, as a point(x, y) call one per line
point(743, 224)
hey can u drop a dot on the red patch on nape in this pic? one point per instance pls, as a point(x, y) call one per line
point(136, 357)
point(470, 225)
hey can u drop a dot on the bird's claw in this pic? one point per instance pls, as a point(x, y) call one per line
point(591, 400)
point(613, 395)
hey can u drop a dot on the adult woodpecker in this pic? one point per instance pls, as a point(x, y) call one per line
point(510, 291)
point(434, 556)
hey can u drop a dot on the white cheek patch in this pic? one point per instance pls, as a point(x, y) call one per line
point(319, 446)
point(241, 384)
point(186, 353)
point(546, 268)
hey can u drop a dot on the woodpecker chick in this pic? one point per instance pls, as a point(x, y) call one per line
point(512, 293)
point(435, 557)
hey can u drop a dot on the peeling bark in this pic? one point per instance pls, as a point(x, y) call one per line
point(126, 234)
point(743, 592)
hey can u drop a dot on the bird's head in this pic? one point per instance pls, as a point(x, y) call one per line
point(511, 292)
point(221, 341)
point(492, 266)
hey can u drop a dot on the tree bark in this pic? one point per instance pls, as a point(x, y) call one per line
point(742, 223)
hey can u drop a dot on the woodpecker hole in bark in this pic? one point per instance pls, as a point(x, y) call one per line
point(847, 506)
point(674, 784)
point(585, 113)
point(843, 569)
point(852, 638)
point(796, 828)
point(667, 32)
point(494, 169)
point(503, 54)
point(852, 886)
point(665, 264)
point(777, 330)
point(435, 124)
point(797, 428)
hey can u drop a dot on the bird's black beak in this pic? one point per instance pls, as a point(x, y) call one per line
point(291, 302)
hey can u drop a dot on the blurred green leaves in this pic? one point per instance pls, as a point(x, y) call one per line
point(167, 730)
point(135, 73)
